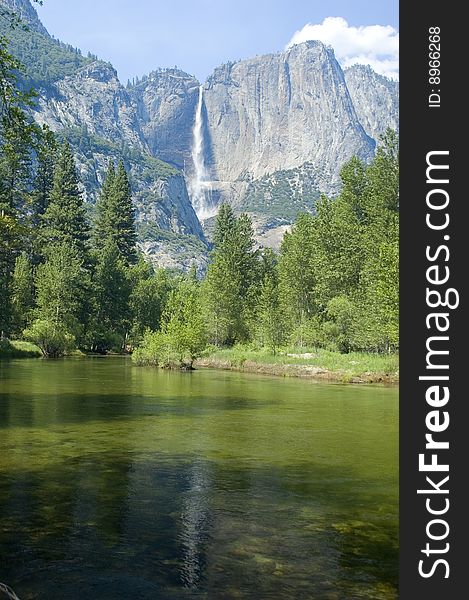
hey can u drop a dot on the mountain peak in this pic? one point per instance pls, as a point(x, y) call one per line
point(27, 13)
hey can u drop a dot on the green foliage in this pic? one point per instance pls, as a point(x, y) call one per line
point(62, 287)
point(156, 350)
point(22, 287)
point(292, 360)
point(51, 337)
point(112, 289)
point(90, 145)
point(102, 231)
point(65, 219)
point(284, 194)
point(184, 323)
point(18, 349)
point(270, 319)
point(230, 285)
point(43, 180)
point(339, 269)
point(297, 278)
point(149, 296)
point(115, 218)
point(20, 142)
point(183, 337)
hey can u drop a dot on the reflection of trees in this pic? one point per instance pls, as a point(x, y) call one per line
point(195, 519)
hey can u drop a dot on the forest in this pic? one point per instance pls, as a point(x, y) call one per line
point(74, 279)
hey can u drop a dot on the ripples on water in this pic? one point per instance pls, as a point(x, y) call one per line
point(124, 482)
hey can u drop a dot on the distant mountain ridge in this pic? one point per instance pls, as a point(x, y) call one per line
point(277, 129)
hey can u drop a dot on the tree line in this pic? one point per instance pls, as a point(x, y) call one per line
point(68, 281)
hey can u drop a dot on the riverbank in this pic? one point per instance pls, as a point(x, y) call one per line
point(313, 364)
point(18, 349)
point(355, 367)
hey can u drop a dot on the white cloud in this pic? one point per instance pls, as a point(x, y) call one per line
point(374, 45)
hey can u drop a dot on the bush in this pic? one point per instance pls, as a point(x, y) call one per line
point(157, 350)
point(52, 339)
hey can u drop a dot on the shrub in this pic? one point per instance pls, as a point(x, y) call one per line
point(156, 349)
point(52, 338)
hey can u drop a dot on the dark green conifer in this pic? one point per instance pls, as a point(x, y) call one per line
point(65, 219)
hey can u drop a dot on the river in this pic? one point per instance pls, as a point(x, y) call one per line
point(119, 481)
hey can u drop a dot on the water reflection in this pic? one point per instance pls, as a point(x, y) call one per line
point(195, 524)
point(157, 485)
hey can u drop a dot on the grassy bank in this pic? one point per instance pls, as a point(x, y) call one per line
point(310, 363)
point(18, 349)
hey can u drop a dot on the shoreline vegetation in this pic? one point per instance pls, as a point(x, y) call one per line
point(305, 363)
point(315, 363)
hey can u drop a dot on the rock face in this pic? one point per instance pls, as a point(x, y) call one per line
point(166, 101)
point(165, 202)
point(376, 99)
point(92, 98)
point(280, 111)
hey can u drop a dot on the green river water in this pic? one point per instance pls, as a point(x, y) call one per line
point(126, 482)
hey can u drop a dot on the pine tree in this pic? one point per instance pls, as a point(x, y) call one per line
point(123, 216)
point(43, 179)
point(115, 220)
point(224, 225)
point(65, 219)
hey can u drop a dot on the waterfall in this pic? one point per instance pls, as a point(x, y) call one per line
point(199, 185)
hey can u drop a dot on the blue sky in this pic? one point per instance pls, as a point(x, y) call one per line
point(137, 36)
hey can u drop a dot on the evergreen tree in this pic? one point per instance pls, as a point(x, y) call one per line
point(124, 216)
point(224, 226)
point(43, 179)
point(65, 219)
point(19, 136)
point(115, 218)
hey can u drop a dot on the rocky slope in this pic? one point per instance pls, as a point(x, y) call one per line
point(376, 99)
point(94, 98)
